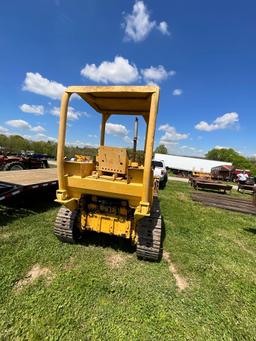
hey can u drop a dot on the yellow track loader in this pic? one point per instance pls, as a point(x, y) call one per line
point(111, 194)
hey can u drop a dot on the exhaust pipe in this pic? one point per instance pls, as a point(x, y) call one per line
point(135, 139)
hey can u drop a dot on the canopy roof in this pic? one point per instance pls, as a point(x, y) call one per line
point(129, 100)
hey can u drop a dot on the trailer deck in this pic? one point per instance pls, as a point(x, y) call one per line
point(201, 183)
point(225, 202)
point(13, 183)
point(245, 187)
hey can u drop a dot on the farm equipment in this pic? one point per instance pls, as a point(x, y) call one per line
point(11, 163)
point(201, 175)
point(112, 194)
point(227, 173)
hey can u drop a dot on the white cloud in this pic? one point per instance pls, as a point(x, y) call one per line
point(25, 136)
point(128, 140)
point(156, 74)
point(37, 84)
point(80, 144)
point(33, 109)
point(24, 125)
point(171, 135)
point(177, 92)
point(188, 151)
point(94, 136)
point(122, 71)
point(116, 129)
point(3, 130)
point(73, 114)
point(138, 24)
point(220, 147)
point(20, 124)
point(227, 147)
point(38, 129)
point(118, 71)
point(38, 137)
point(163, 28)
point(222, 122)
point(43, 137)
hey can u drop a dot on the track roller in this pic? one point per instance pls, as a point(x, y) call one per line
point(65, 227)
point(149, 229)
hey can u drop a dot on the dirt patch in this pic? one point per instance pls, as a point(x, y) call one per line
point(71, 264)
point(5, 235)
point(181, 282)
point(241, 245)
point(237, 242)
point(33, 274)
point(115, 261)
point(182, 196)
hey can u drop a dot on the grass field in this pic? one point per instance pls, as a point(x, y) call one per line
point(203, 289)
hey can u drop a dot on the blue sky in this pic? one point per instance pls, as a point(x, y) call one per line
point(201, 53)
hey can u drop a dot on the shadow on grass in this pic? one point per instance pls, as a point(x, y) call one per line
point(250, 229)
point(206, 190)
point(27, 204)
point(162, 239)
point(91, 238)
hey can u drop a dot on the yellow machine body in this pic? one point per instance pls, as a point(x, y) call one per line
point(201, 175)
point(112, 192)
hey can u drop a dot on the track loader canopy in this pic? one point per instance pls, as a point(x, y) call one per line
point(114, 100)
point(126, 100)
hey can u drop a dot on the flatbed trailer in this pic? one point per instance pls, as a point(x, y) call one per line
point(13, 183)
point(225, 202)
point(199, 183)
point(245, 187)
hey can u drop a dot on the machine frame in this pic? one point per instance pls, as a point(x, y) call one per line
point(123, 189)
point(149, 107)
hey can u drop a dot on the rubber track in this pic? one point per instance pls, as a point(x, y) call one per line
point(150, 234)
point(64, 225)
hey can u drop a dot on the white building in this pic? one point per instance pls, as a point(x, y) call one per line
point(189, 164)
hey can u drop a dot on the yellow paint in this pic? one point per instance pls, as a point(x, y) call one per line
point(110, 224)
point(112, 160)
point(112, 175)
point(201, 175)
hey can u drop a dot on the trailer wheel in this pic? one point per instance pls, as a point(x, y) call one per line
point(13, 166)
point(162, 183)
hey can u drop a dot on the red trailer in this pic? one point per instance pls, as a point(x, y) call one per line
point(227, 173)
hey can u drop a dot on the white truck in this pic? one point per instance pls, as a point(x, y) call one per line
point(160, 172)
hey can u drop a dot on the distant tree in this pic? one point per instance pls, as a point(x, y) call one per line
point(222, 154)
point(230, 155)
point(253, 160)
point(3, 142)
point(161, 149)
point(15, 144)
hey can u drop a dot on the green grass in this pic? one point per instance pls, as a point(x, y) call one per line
point(99, 290)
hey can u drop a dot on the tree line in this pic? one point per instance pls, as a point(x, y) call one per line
point(230, 155)
point(14, 144)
